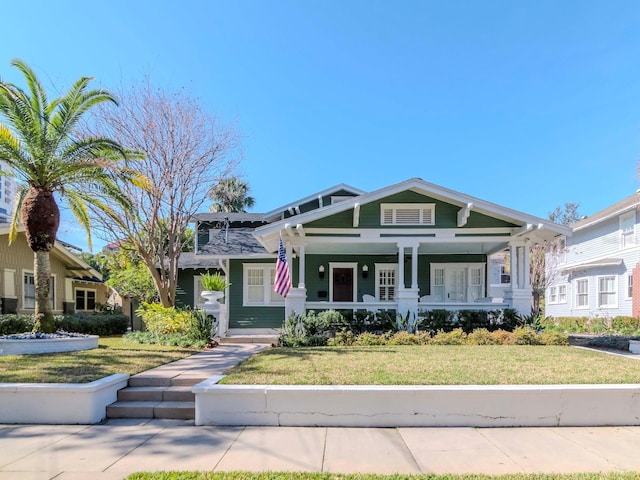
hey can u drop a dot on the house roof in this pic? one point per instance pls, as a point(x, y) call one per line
point(268, 234)
point(614, 210)
point(602, 262)
point(231, 216)
point(323, 193)
point(81, 269)
point(232, 242)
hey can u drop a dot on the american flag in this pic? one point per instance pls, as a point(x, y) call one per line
point(282, 284)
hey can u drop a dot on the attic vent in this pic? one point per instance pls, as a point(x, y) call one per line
point(407, 214)
point(339, 198)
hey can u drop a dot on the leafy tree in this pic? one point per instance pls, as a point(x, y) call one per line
point(231, 195)
point(567, 214)
point(185, 150)
point(37, 141)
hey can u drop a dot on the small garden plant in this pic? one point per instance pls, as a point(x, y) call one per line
point(214, 282)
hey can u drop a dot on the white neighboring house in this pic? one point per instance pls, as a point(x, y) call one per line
point(592, 276)
point(8, 189)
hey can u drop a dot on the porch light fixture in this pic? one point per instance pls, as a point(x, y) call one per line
point(365, 271)
point(321, 271)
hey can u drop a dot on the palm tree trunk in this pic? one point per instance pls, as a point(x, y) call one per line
point(42, 275)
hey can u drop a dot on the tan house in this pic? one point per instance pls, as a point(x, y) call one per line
point(75, 286)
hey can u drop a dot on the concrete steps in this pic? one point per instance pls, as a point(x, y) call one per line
point(156, 397)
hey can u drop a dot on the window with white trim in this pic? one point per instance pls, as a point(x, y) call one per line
point(562, 294)
point(630, 285)
point(407, 214)
point(29, 291)
point(553, 294)
point(627, 230)
point(386, 281)
point(85, 299)
point(437, 285)
point(582, 293)
point(258, 280)
point(607, 292)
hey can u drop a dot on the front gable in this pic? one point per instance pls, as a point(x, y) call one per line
point(445, 214)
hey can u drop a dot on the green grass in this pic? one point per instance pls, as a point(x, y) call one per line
point(434, 365)
point(114, 355)
point(331, 476)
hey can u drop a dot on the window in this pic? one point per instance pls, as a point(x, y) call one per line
point(85, 299)
point(29, 291)
point(630, 286)
point(627, 230)
point(386, 280)
point(407, 214)
point(258, 283)
point(457, 282)
point(504, 275)
point(607, 291)
point(553, 294)
point(437, 285)
point(475, 283)
point(558, 294)
point(582, 293)
point(562, 294)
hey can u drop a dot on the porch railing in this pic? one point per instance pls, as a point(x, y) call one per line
point(373, 306)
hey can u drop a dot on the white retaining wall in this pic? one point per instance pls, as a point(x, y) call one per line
point(406, 406)
point(47, 345)
point(65, 403)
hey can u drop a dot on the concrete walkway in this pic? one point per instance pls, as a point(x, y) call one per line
point(113, 450)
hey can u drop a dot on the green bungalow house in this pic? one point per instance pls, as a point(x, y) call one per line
point(406, 247)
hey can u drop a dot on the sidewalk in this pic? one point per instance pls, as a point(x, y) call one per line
point(113, 450)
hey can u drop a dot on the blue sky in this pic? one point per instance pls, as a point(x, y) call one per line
point(525, 104)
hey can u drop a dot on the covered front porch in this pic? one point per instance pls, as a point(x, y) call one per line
point(438, 270)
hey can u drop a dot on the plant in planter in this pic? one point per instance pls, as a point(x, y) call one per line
point(213, 287)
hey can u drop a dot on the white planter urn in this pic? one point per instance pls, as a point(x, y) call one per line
point(211, 296)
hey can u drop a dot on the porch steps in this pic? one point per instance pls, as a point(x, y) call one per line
point(268, 339)
point(156, 397)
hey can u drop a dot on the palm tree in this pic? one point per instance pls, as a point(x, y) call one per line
point(36, 140)
point(231, 195)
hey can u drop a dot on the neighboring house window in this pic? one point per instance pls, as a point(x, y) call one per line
point(562, 294)
point(553, 294)
point(630, 286)
point(85, 299)
point(386, 281)
point(407, 214)
point(607, 291)
point(258, 282)
point(627, 230)
point(29, 291)
point(582, 293)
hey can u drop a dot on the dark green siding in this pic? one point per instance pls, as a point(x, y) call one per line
point(446, 215)
point(250, 317)
point(185, 289)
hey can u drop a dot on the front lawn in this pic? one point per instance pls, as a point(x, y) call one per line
point(434, 365)
point(114, 355)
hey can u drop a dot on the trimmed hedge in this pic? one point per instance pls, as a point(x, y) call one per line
point(620, 324)
point(434, 321)
point(89, 324)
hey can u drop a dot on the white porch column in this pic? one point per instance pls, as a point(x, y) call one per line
point(513, 259)
point(414, 267)
point(301, 267)
point(526, 268)
point(519, 296)
point(408, 297)
point(401, 283)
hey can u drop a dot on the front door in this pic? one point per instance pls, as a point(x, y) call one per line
point(456, 284)
point(343, 284)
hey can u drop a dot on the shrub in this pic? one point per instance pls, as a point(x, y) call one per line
point(526, 336)
point(344, 338)
point(368, 339)
point(174, 339)
point(481, 336)
point(10, 324)
point(403, 338)
point(503, 337)
point(554, 338)
point(98, 324)
point(161, 320)
point(215, 282)
point(304, 330)
point(454, 337)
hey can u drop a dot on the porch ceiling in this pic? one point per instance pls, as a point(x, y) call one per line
point(392, 248)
